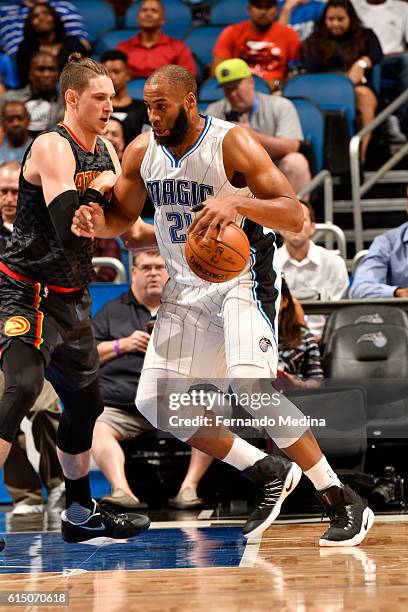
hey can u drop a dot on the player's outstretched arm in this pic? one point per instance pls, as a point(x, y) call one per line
point(275, 204)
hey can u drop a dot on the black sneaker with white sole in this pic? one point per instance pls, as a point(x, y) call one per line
point(350, 517)
point(103, 523)
point(277, 477)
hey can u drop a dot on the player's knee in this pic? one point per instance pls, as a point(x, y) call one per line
point(81, 409)
point(21, 393)
point(146, 405)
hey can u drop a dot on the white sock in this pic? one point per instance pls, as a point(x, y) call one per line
point(322, 475)
point(242, 454)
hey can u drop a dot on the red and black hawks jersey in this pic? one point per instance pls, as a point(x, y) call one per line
point(33, 249)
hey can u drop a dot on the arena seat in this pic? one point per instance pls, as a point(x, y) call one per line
point(111, 39)
point(226, 12)
point(373, 314)
point(135, 88)
point(201, 41)
point(312, 121)
point(104, 292)
point(376, 358)
point(343, 439)
point(178, 18)
point(98, 16)
point(332, 91)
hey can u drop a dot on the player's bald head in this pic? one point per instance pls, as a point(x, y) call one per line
point(177, 77)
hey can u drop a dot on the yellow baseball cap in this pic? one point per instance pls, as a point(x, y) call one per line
point(232, 70)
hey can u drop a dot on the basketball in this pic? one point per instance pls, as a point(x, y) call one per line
point(218, 261)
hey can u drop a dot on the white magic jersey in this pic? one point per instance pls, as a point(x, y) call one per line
point(174, 185)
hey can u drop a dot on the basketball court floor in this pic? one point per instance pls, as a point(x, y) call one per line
point(195, 561)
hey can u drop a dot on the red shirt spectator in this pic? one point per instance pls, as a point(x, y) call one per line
point(142, 61)
point(265, 45)
point(151, 48)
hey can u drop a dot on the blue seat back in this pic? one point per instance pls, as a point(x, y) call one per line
point(226, 12)
point(98, 16)
point(201, 42)
point(104, 292)
point(312, 120)
point(111, 39)
point(135, 88)
point(178, 18)
point(330, 90)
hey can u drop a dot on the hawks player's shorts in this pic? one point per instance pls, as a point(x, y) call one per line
point(54, 322)
point(207, 340)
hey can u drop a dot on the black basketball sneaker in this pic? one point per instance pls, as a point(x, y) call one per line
point(350, 517)
point(277, 477)
point(103, 523)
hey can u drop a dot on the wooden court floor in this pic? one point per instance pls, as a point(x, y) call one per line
point(201, 566)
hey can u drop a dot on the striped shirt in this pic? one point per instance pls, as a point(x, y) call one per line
point(302, 360)
point(14, 14)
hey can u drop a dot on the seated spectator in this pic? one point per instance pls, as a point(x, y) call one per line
point(9, 175)
point(340, 42)
point(152, 48)
point(300, 15)
point(13, 15)
point(266, 45)
point(44, 31)
point(383, 273)
point(106, 247)
point(389, 20)
point(299, 354)
point(311, 271)
point(14, 122)
point(41, 96)
point(271, 119)
point(131, 112)
point(121, 334)
point(8, 74)
point(115, 134)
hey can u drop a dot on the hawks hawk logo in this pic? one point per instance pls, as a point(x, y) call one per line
point(264, 344)
point(16, 326)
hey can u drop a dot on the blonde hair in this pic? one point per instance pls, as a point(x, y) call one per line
point(79, 70)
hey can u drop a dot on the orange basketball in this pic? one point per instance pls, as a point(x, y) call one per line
point(216, 261)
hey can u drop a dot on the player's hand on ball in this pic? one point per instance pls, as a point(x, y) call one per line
point(88, 221)
point(216, 214)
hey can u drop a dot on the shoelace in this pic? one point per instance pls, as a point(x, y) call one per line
point(272, 491)
point(340, 517)
point(117, 519)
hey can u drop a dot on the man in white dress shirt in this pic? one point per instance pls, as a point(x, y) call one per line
point(311, 271)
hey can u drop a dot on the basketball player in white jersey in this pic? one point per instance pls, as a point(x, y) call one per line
point(225, 330)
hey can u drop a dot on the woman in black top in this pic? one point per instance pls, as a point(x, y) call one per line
point(299, 354)
point(340, 42)
point(44, 31)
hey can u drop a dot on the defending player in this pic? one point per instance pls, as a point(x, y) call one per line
point(45, 305)
point(218, 330)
